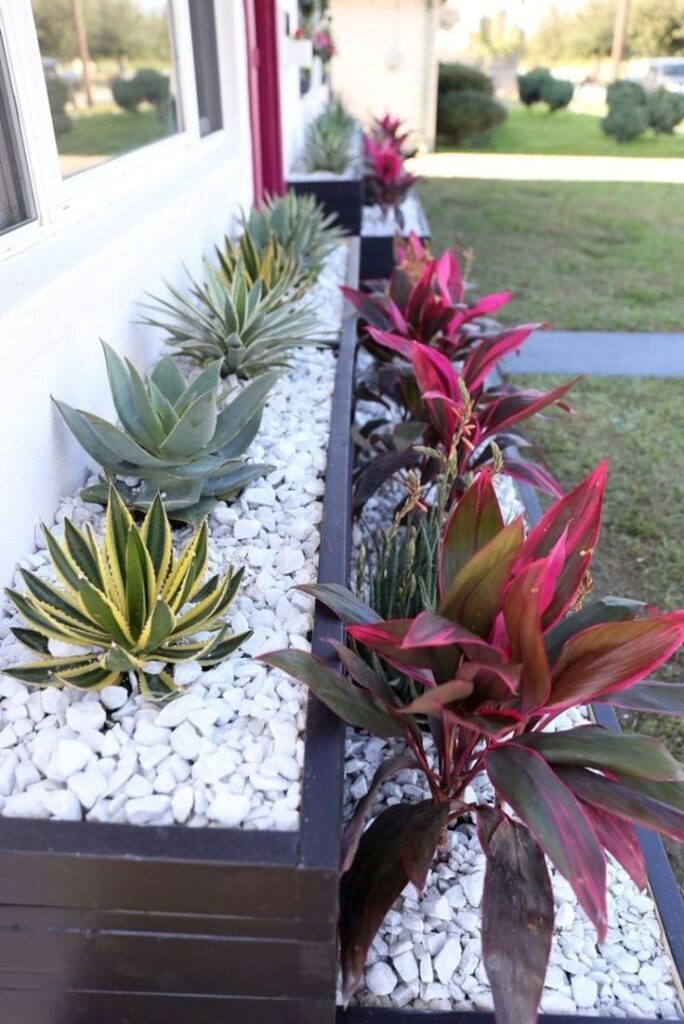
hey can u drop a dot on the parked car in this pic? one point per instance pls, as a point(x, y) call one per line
point(665, 72)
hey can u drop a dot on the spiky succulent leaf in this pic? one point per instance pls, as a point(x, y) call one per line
point(173, 438)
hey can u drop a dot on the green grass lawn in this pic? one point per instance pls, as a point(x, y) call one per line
point(580, 256)
point(110, 132)
point(535, 130)
point(638, 424)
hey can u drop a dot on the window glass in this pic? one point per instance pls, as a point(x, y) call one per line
point(16, 199)
point(205, 53)
point(109, 72)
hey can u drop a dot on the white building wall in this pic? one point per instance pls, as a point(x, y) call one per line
point(296, 111)
point(66, 283)
point(386, 60)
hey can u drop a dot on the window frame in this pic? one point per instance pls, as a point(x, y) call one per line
point(57, 201)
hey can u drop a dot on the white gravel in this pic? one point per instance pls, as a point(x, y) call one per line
point(427, 953)
point(230, 750)
point(375, 222)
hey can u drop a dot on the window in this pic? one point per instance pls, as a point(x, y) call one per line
point(16, 199)
point(203, 24)
point(109, 71)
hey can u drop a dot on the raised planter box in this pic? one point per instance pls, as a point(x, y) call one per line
point(121, 924)
point(379, 233)
point(341, 194)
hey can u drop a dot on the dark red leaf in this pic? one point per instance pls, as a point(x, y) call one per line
point(402, 838)
point(610, 657)
point(556, 819)
point(653, 697)
point(592, 746)
point(353, 830)
point(349, 608)
point(517, 922)
point(655, 805)
point(352, 704)
point(475, 520)
point(619, 838)
point(578, 513)
point(607, 609)
point(490, 351)
point(474, 595)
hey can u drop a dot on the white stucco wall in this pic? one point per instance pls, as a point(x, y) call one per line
point(386, 60)
point(79, 278)
point(296, 111)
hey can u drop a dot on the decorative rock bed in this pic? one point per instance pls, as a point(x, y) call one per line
point(230, 750)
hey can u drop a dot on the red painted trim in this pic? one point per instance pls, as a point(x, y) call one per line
point(253, 92)
point(261, 20)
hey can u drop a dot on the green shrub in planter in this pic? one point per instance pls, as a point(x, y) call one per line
point(468, 115)
point(58, 97)
point(557, 93)
point(625, 122)
point(530, 85)
point(455, 77)
point(665, 110)
point(625, 94)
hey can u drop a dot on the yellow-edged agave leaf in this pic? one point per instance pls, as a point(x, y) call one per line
point(65, 566)
point(121, 604)
point(156, 534)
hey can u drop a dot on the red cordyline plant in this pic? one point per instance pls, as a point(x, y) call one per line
point(507, 651)
point(386, 180)
point(450, 410)
point(424, 300)
point(390, 129)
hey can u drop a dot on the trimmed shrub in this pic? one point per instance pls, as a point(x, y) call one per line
point(665, 110)
point(625, 93)
point(557, 93)
point(530, 85)
point(146, 86)
point(625, 122)
point(58, 97)
point(455, 77)
point(468, 115)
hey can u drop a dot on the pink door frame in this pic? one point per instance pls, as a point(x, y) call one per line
point(261, 26)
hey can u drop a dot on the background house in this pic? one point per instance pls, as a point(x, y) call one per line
point(387, 60)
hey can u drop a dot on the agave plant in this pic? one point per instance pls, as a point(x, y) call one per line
point(327, 145)
point(507, 651)
point(273, 265)
point(301, 226)
point(173, 439)
point(126, 606)
point(250, 328)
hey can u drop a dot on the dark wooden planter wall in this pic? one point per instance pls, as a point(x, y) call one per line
point(377, 251)
point(118, 924)
point(341, 196)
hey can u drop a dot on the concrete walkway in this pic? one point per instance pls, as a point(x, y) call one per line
point(529, 167)
point(600, 353)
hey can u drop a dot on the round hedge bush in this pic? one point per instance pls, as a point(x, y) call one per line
point(665, 110)
point(556, 93)
point(530, 85)
point(628, 93)
point(625, 122)
point(455, 77)
point(467, 115)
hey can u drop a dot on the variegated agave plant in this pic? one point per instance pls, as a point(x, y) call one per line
point(126, 606)
point(273, 265)
point(173, 439)
point(300, 224)
point(249, 327)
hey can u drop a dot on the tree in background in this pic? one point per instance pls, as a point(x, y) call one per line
point(656, 28)
point(498, 39)
point(116, 29)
